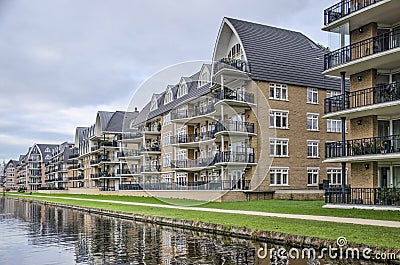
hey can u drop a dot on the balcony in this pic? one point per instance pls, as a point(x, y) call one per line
point(129, 136)
point(129, 153)
point(234, 127)
point(235, 97)
point(188, 186)
point(99, 160)
point(381, 51)
point(365, 149)
point(364, 196)
point(345, 8)
point(367, 99)
point(110, 144)
point(123, 171)
point(229, 157)
point(76, 167)
point(195, 164)
point(232, 64)
point(150, 168)
point(77, 178)
point(191, 140)
point(102, 175)
point(192, 113)
point(73, 155)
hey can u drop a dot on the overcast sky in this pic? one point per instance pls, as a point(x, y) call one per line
point(62, 60)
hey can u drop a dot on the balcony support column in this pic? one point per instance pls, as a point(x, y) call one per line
point(343, 119)
point(222, 87)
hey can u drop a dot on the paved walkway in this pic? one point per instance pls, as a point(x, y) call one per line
point(345, 220)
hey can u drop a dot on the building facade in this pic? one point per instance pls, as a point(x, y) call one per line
point(10, 174)
point(369, 33)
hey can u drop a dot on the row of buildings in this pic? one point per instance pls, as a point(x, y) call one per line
point(266, 116)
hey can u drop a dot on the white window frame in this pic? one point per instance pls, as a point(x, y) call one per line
point(279, 173)
point(314, 118)
point(169, 96)
point(166, 139)
point(182, 90)
point(334, 174)
point(313, 144)
point(279, 90)
point(312, 95)
point(167, 119)
point(282, 115)
point(332, 93)
point(334, 126)
point(314, 172)
point(167, 159)
point(279, 144)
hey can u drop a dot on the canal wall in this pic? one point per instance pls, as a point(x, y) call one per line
point(218, 229)
point(206, 195)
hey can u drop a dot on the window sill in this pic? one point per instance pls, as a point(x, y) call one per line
point(279, 128)
point(279, 156)
point(312, 185)
point(279, 185)
point(278, 99)
point(313, 157)
point(313, 103)
point(310, 130)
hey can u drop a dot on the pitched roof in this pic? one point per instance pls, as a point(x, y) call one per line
point(105, 117)
point(281, 55)
point(116, 121)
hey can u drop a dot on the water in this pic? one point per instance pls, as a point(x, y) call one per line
point(32, 233)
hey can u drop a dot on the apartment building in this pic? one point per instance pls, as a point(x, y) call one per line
point(369, 33)
point(56, 169)
point(10, 174)
point(251, 120)
point(95, 161)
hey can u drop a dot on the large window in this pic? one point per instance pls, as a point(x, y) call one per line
point(278, 119)
point(168, 96)
point(182, 89)
point(334, 176)
point(166, 139)
point(279, 147)
point(332, 93)
point(312, 121)
point(312, 95)
point(279, 176)
point(235, 52)
point(167, 160)
point(334, 126)
point(167, 119)
point(312, 149)
point(278, 91)
point(312, 176)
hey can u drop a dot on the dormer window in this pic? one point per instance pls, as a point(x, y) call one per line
point(235, 52)
point(168, 96)
point(154, 104)
point(47, 150)
point(182, 90)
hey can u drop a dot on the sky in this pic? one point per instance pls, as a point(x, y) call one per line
point(63, 60)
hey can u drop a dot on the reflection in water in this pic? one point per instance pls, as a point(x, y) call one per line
point(33, 233)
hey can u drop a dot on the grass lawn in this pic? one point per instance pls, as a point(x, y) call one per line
point(274, 206)
point(369, 235)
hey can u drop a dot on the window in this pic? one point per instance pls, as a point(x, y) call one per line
point(235, 52)
point(154, 104)
point(312, 149)
point(312, 95)
point(167, 119)
point(278, 119)
point(278, 91)
point(181, 155)
point(332, 93)
point(312, 173)
point(278, 147)
point(167, 160)
point(168, 96)
point(312, 121)
point(334, 176)
point(279, 176)
point(166, 178)
point(181, 178)
point(334, 126)
point(166, 139)
point(182, 89)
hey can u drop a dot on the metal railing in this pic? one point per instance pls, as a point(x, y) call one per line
point(102, 175)
point(192, 163)
point(228, 63)
point(364, 146)
point(364, 196)
point(235, 95)
point(378, 44)
point(234, 126)
point(191, 113)
point(380, 94)
point(235, 157)
point(151, 168)
point(345, 8)
point(183, 186)
point(127, 153)
point(192, 138)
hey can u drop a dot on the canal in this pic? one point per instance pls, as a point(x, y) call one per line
point(33, 233)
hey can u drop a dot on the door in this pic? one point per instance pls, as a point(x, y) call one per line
point(384, 177)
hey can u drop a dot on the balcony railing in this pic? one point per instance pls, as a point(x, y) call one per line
point(154, 148)
point(192, 163)
point(198, 185)
point(129, 136)
point(191, 113)
point(364, 146)
point(192, 138)
point(228, 63)
point(228, 94)
point(234, 126)
point(79, 177)
point(108, 144)
point(375, 45)
point(369, 96)
point(102, 175)
point(128, 153)
point(235, 157)
point(74, 155)
point(151, 168)
point(99, 160)
point(345, 8)
point(364, 196)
